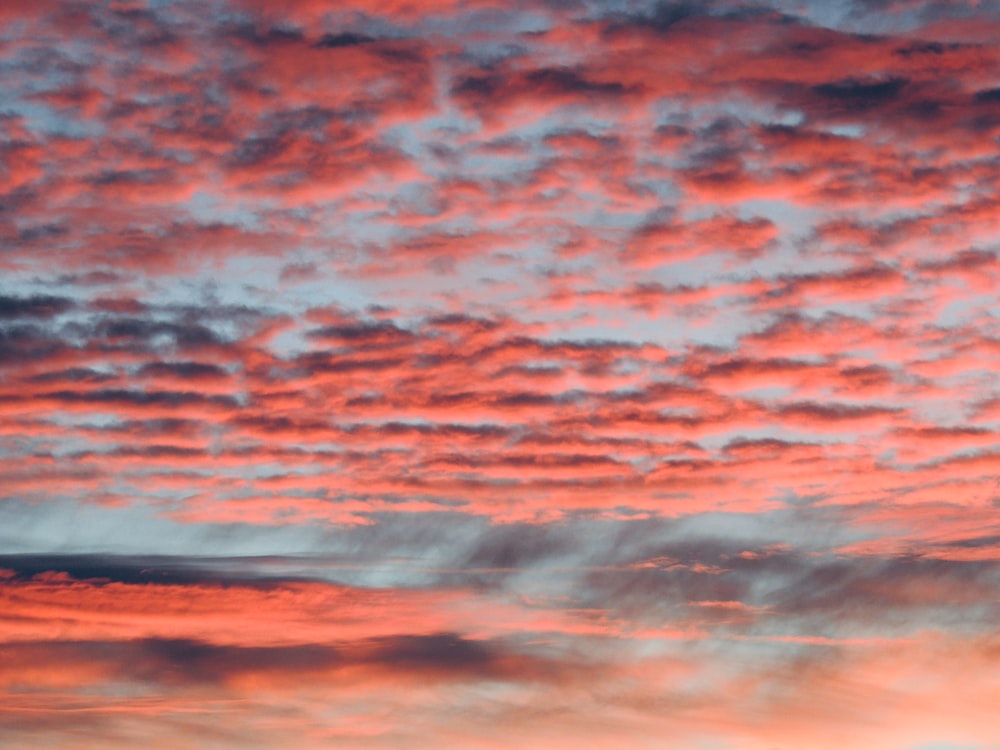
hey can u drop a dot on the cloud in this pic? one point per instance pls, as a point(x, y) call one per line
point(177, 662)
point(598, 373)
point(39, 306)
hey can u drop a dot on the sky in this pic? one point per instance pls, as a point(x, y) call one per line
point(478, 374)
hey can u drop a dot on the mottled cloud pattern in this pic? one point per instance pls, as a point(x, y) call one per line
point(466, 374)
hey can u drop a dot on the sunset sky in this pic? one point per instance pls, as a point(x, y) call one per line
point(487, 374)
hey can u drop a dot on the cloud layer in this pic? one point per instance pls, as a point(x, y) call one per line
point(463, 373)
